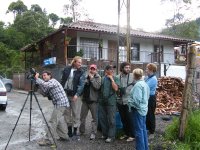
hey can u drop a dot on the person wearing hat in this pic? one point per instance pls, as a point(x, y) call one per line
point(107, 104)
point(89, 100)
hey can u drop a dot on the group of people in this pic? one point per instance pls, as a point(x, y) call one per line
point(132, 94)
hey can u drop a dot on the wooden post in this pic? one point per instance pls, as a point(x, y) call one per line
point(128, 40)
point(187, 94)
point(65, 49)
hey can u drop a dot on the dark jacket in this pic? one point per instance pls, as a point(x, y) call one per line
point(92, 86)
point(108, 96)
point(78, 80)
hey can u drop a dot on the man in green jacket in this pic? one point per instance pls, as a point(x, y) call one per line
point(107, 104)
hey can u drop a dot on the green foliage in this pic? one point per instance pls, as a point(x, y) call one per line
point(54, 18)
point(33, 24)
point(65, 21)
point(10, 60)
point(13, 39)
point(192, 134)
point(171, 132)
point(17, 7)
point(36, 8)
point(67, 38)
point(185, 30)
point(80, 53)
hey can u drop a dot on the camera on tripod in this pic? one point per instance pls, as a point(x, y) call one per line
point(31, 74)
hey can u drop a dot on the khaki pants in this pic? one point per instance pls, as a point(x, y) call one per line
point(75, 108)
point(84, 112)
point(58, 123)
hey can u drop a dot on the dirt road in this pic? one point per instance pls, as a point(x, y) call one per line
point(20, 138)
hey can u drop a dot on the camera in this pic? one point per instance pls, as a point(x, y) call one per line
point(31, 74)
point(121, 91)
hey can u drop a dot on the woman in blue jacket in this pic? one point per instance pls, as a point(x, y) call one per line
point(152, 82)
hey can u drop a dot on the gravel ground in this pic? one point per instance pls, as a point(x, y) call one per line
point(20, 141)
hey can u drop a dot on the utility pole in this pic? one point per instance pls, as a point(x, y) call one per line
point(118, 34)
point(128, 39)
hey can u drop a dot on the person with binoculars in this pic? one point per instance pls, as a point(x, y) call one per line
point(126, 84)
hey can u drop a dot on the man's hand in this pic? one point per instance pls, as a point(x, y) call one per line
point(91, 76)
point(111, 77)
point(37, 75)
point(75, 98)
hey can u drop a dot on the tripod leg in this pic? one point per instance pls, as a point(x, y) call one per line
point(31, 95)
point(17, 120)
point(45, 119)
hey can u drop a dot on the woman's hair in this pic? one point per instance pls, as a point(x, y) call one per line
point(152, 67)
point(123, 65)
point(138, 73)
point(47, 72)
point(75, 59)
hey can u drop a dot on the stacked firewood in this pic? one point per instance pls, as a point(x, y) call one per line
point(169, 95)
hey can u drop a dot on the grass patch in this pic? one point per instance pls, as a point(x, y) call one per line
point(192, 134)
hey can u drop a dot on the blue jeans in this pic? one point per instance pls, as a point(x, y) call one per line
point(140, 130)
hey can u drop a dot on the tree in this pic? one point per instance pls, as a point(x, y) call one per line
point(73, 8)
point(33, 24)
point(36, 8)
point(186, 30)
point(54, 18)
point(10, 60)
point(13, 38)
point(17, 8)
point(178, 25)
point(65, 21)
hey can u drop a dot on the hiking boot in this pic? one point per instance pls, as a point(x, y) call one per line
point(44, 142)
point(103, 137)
point(92, 136)
point(63, 139)
point(130, 139)
point(109, 140)
point(76, 138)
point(123, 137)
point(70, 131)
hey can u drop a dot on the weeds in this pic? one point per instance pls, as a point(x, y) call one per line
point(192, 135)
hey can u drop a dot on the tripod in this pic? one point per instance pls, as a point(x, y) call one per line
point(31, 94)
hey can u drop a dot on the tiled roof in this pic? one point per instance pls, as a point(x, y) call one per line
point(112, 29)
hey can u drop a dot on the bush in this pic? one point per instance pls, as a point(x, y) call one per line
point(192, 134)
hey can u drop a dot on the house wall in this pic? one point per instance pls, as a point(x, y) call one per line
point(146, 46)
point(105, 38)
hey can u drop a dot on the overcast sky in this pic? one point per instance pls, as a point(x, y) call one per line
point(149, 15)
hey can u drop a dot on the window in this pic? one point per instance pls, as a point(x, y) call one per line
point(198, 75)
point(183, 49)
point(122, 53)
point(155, 56)
point(135, 53)
point(90, 47)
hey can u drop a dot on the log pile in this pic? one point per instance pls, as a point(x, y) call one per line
point(169, 95)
